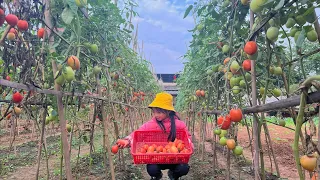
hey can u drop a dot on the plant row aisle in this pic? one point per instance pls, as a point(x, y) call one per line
point(70, 86)
point(252, 66)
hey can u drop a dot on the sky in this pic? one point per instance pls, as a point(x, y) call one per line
point(164, 32)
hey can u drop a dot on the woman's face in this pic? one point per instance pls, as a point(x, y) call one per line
point(159, 115)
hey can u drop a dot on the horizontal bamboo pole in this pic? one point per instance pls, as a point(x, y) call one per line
point(31, 87)
point(285, 103)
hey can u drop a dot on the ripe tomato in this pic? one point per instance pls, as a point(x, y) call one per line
point(150, 149)
point(236, 115)
point(164, 150)
point(180, 146)
point(174, 149)
point(114, 149)
point(308, 162)
point(2, 17)
point(159, 149)
point(8, 78)
point(250, 47)
point(145, 147)
point(8, 116)
point(167, 147)
point(12, 19)
point(22, 25)
point(142, 150)
point(231, 144)
point(202, 93)
point(17, 97)
point(315, 176)
point(224, 122)
point(135, 94)
point(198, 93)
point(142, 93)
point(73, 62)
point(11, 36)
point(246, 65)
point(40, 33)
point(226, 60)
point(13, 30)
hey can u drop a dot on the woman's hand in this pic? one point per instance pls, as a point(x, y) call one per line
point(123, 143)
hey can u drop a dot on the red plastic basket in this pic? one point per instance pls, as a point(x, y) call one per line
point(157, 137)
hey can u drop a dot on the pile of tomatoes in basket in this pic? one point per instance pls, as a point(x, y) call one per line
point(177, 146)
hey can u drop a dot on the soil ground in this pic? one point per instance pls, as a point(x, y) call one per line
point(22, 165)
point(282, 140)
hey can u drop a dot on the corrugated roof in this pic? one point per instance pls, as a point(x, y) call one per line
point(167, 77)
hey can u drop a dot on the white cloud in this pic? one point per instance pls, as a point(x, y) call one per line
point(160, 50)
point(164, 32)
point(137, 19)
point(165, 14)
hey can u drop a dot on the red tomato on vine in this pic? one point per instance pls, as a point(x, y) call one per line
point(17, 97)
point(246, 65)
point(235, 115)
point(251, 47)
point(224, 122)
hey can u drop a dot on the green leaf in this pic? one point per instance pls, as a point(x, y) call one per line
point(56, 43)
point(131, 26)
point(280, 5)
point(187, 11)
point(310, 10)
point(127, 30)
point(301, 38)
point(200, 10)
point(67, 15)
point(72, 5)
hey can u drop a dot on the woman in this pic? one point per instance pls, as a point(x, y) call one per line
point(165, 119)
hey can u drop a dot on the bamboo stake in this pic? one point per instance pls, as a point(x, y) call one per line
point(41, 140)
point(64, 136)
point(105, 133)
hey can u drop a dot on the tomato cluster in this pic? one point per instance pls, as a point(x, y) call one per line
point(177, 146)
point(235, 115)
point(200, 93)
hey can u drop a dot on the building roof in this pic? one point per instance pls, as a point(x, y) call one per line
point(167, 77)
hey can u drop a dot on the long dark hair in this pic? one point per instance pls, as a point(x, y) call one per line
point(173, 131)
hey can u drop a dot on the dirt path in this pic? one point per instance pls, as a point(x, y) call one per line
point(54, 162)
point(236, 171)
point(282, 140)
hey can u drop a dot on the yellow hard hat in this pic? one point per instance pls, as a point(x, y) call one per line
point(163, 100)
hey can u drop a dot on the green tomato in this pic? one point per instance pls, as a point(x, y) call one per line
point(94, 48)
point(223, 141)
point(69, 74)
point(238, 150)
point(60, 79)
point(96, 70)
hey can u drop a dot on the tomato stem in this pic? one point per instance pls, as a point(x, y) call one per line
point(299, 122)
